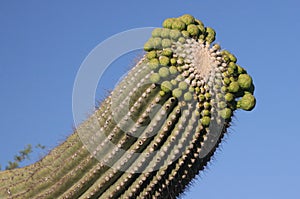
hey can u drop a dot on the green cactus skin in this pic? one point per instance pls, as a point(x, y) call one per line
point(181, 98)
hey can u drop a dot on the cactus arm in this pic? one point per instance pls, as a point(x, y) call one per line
point(155, 132)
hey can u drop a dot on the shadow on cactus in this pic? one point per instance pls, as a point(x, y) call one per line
point(155, 131)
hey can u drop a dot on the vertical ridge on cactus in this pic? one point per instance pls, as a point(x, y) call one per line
point(156, 130)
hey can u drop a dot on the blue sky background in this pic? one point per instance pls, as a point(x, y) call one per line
point(43, 43)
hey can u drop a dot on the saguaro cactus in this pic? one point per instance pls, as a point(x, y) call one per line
point(155, 131)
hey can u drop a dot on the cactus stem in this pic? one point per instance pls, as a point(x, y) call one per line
point(155, 131)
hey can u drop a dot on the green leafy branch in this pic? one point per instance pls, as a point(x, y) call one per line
point(21, 156)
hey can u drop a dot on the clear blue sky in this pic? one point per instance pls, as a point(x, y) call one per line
point(43, 44)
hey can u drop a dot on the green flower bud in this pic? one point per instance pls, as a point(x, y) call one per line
point(222, 105)
point(247, 102)
point(206, 112)
point(173, 70)
point(174, 82)
point(229, 97)
point(183, 85)
point(226, 81)
point(168, 23)
point(201, 97)
point(185, 34)
point(188, 96)
point(177, 92)
point(201, 37)
point(162, 93)
point(207, 96)
point(148, 46)
point(173, 61)
point(179, 78)
point(166, 43)
point(193, 30)
point(167, 52)
point(233, 87)
point(191, 89)
point(151, 55)
point(165, 33)
point(226, 58)
point(157, 42)
point(226, 113)
point(205, 121)
point(175, 34)
point(230, 71)
point(224, 89)
point(153, 64)
point(163, 72)
point(206, 105)
point(164, 61)
point(210, 31)
point(187, 19)
point(181, 40)
point(245, 81)
point(156, 32)
point(210, 39)
point(178, 25)
point(155, 77)
point(166, 86)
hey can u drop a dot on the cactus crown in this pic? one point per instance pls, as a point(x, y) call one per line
point(184, 46)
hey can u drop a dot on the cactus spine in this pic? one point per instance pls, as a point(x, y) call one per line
point(154, 133)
